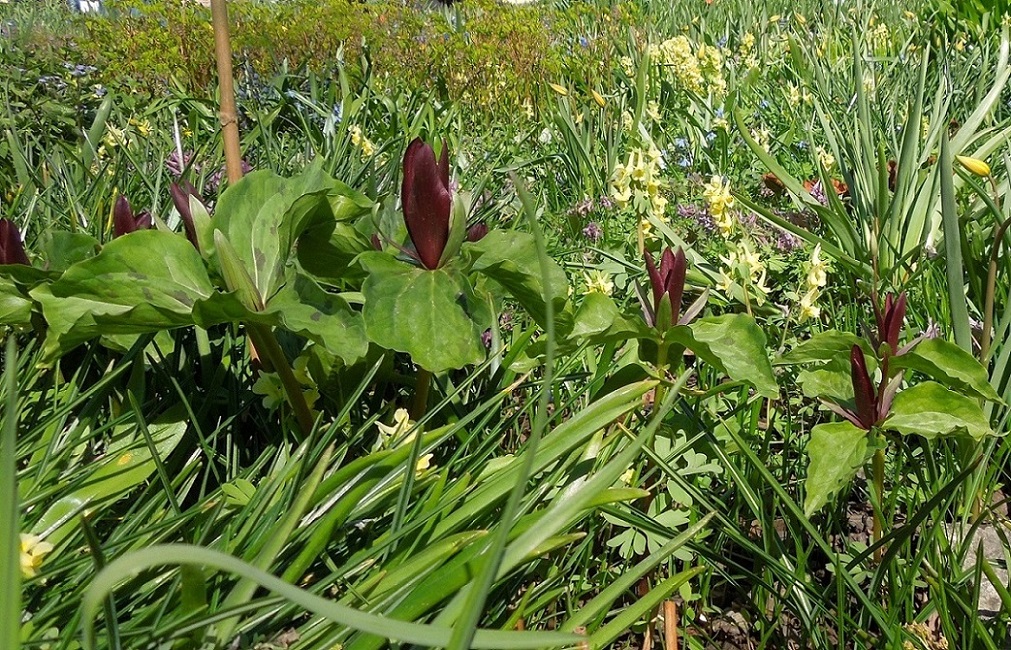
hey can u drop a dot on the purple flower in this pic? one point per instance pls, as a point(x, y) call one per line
point(124, 221)
point(818, 192)
point(177, 165)
point(427, 201)
point(669, 281)
point(181, 194)
point(593, 232)
point(12, 249)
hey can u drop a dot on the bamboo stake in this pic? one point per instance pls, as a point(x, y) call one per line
point(228, 114)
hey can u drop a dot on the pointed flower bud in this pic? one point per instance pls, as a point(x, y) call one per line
point(974, 165)
point(181, 193)
point(668, 280)
point(124, 221)
point(889, 321)
point(427, 201)
point(477, 231)
point(12, 250)
point(863, 389)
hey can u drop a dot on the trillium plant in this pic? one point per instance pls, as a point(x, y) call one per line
point(731, 343)
point(868, 384)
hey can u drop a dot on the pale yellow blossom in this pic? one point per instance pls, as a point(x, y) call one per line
point(33, 550)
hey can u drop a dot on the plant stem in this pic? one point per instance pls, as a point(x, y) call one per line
point(661, 368)
point(229, 118)
point(988, 300)
point(879, 492)
point(264, 340)
point(420, 402)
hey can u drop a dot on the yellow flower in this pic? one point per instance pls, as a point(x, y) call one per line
point(598, 282)
point(974, 165)
point(561, 90)
point(33, 550)
point(597, 97)
point(391, 433)
point(720, 200)
point(817, 270)
point(808, 309)
point(826, 159)
point(423, 463)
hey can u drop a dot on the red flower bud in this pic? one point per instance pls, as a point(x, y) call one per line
point(12, 250)
point(863, 389)
point(669, 279)
point(427, 201)
point(477, 232)
point(181, 194)
point(125, 222)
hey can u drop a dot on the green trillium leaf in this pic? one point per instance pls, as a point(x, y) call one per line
point(931, 410)
point(431, 315)
point(836, 452)
point(733, 343)
point(510, 258)
point(950, 365)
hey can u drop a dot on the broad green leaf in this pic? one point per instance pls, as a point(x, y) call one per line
point(302, 307)
point(327, 248)
point(510, 258)
point(127, 464)
point(830, 380)
point(825, 346)
point(835, 452)
point(259, 216)
point(15, 308)
point(950, 365)
point(733, 343)
point(930, 410)
point(430, 315)
point(143, 282)
point(600, 319)
point(64, 249)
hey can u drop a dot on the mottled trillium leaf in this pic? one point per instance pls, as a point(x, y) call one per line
point(950, 365)
point(431, 315)
point(146, 281)
point(836, 452)
point(15, 308)
point(262, 216)
point(830, 380)
point(302, 307)
point(931, 410)
point(732, 343)
point(64, 249)
point(510, 258)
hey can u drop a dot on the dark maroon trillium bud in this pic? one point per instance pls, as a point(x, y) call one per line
point(477, 232)
point(125, 222)
point(668, 280)
point(889, 321)
point(427, 201)
point(181, 193)
point(12, 250)
point(870, 406)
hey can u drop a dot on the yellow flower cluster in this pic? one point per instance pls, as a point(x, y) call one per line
point(359, 140)
point(638, 182)
point(33, 550)
point(598, 282)
point(697, 68)
point(817, 277)
point(721, 202)
point(743, 263)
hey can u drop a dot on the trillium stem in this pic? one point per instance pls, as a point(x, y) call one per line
point(265, 342)
point(661, 368)
point(419, 405)
point(878, 468)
